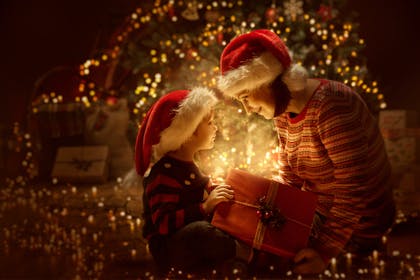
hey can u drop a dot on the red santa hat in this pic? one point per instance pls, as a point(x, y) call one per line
point(255, 59)
point(169, 123)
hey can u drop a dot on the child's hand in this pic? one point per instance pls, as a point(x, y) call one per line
point(219, 194)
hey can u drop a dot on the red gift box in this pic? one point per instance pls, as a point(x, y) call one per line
point(266, 214)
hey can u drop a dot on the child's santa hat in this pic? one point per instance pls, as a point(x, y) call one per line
point(255, 59)
point(169, 123)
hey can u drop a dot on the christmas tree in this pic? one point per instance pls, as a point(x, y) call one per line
point(168, 45)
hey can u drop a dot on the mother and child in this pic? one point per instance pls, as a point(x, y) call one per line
point(329, 144)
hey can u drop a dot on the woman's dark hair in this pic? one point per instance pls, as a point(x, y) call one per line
point(282, 95)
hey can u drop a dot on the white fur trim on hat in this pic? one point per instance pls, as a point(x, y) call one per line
point(260, 71)
point(295, 77)
point(189, 114)
point(251, 75)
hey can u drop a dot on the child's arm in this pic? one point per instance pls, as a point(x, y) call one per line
point(168, 214)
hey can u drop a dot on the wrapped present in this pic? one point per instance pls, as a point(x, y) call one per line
point(82, 164)
point(397, 119)
point(266, 214)
point(56, 125)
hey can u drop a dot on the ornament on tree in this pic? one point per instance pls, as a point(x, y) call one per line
point(220, 38)
point(192, 53)
point(325, 12)
point(171, 11)
point(293, 8)
point(271, 14)
point(191, 12)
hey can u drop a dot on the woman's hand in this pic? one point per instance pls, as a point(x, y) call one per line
point(219, 194)
point(308, 261)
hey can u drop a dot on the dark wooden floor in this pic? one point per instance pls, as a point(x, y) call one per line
point(94, 232)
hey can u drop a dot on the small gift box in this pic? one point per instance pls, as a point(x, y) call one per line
point(266, 214)
point(56, 125)
point(82, 164)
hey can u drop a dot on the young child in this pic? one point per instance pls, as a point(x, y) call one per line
point(176, 216)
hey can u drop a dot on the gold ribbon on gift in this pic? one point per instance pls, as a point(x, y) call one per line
point(261, 227)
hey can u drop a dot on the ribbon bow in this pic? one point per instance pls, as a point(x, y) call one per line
point(270, 216)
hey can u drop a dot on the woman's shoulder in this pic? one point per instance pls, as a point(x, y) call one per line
point(334, 88)
point(334, 92)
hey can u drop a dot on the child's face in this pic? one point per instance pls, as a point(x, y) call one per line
point(205, 134)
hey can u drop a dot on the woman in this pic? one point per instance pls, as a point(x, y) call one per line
point(329, 144)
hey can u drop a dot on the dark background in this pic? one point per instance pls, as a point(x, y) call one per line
point(39, 35)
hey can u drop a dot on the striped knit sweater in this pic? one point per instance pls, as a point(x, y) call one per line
point(173, 196)
point(334, 148)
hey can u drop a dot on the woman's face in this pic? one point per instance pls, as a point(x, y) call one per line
point(260, 101)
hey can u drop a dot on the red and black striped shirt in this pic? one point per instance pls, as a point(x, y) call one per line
point(173, 195)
